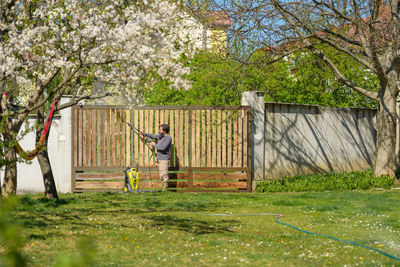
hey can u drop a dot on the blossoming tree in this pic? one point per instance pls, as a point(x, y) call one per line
point(48, 48)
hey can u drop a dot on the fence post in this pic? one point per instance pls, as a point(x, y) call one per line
point(190, 174)
point(398, 130)
point(256, 101)
point(67, 146)
point(65, 151)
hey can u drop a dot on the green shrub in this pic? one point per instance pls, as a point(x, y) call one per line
point(326, 182)
point(10, 238)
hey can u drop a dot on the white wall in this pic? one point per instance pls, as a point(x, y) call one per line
point(301, 139)
point(29, 177)
point(291, 139)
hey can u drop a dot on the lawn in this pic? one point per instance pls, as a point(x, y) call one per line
point(156, 229)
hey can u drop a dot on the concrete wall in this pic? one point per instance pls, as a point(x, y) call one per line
point(301, 139)
point(29, 177)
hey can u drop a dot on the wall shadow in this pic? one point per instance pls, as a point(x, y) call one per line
point(310, 139)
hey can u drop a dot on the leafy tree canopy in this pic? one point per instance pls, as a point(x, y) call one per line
point(300, 78)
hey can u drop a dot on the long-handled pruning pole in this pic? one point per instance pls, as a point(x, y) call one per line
point(145, 140)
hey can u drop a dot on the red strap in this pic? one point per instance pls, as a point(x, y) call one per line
point(49, 119)
point(30, 155)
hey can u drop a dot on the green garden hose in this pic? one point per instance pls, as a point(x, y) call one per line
point(277, 219)
point(337, 239)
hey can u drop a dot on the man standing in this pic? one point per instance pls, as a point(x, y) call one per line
point(163, 146)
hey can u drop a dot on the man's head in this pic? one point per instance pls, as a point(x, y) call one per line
point(164, 128)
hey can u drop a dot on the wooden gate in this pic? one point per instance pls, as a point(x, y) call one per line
point(210, 147)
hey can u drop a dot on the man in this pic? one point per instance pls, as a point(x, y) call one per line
point(163, 146)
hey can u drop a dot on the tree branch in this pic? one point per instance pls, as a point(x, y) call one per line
point(368, 93)
point(335, 10)
point(341, 37)
point(59, 86)
point(345, 50)
point(371, 94)
point(298, 23)
point(76, 101)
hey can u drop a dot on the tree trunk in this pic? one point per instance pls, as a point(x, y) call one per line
point(43, 158)
point(48, 178)
point(385, 162)
point(9, 186)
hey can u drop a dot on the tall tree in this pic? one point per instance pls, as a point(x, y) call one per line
point(366, 31)
point(49, 46)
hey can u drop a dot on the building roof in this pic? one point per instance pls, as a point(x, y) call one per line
point(219, 18)
point(216, 18)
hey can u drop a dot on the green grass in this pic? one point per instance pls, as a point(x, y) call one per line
point(327, 182)
point(154, 229)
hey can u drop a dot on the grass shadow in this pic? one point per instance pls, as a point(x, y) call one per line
point(28, 200)
point(194, 226)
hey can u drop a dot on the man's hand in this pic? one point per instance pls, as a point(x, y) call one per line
point(152, 143)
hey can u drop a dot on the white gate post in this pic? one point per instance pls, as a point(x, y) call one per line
point(64, 154)
point(256, 101)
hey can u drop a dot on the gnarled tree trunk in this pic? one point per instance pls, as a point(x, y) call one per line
point(43, 158)
point(386, 161)
point(9, 186)
point(48, 178)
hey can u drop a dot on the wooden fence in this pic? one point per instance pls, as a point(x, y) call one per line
point(210, 148)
